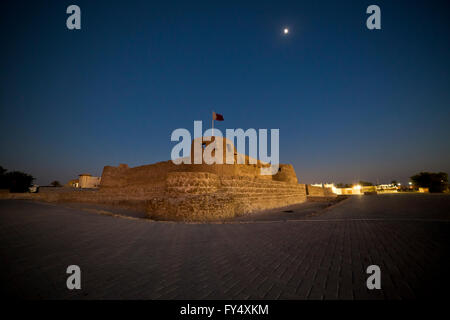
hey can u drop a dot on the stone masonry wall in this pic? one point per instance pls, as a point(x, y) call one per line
point(207, 196)
point(191, 192)
point(188, 196)
point(314, 191)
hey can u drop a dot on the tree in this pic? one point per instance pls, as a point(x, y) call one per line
point(56, 183)
point(435, 182)
point(394, 182)
point(17, 181)
point(3, 184)
point(365, 183)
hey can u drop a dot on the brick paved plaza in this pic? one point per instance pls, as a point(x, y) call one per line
point(322, 254)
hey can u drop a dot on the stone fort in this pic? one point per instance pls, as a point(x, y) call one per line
point(205, 191)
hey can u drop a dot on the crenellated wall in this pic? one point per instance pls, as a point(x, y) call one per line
point(203, 191)
point(286, 173)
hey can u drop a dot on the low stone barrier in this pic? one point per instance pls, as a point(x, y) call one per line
point(187, 196)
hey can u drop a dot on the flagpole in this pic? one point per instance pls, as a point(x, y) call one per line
point(212, 123)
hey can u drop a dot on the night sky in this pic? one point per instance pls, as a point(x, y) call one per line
point(351, 104)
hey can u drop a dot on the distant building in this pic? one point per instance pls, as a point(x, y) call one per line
point(355, 189)
point(387, 188)
point(358, 189)
point(73, 183)
point(85, 181)
point(331, 186)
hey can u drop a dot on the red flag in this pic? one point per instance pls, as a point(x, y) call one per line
point(217, 117)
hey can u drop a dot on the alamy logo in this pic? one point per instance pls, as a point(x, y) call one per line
point(74, 280)
point(210, 147)
point(374, 20)
point(374, 281)
point(74, 20)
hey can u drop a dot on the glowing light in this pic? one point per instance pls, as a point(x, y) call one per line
point(286, 31)
point(357, 187)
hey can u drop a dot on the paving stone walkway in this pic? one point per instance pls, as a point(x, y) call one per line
point(323, 256)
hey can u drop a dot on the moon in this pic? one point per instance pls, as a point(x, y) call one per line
point(285, 30)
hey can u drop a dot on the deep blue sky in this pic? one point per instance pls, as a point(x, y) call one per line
point(350, 103)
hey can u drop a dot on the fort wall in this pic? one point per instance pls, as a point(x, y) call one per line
point(315, 191)
point(207, 196)
point(189, 192)
point(201, 191)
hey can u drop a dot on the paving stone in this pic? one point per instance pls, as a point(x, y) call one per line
point(324, 256)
